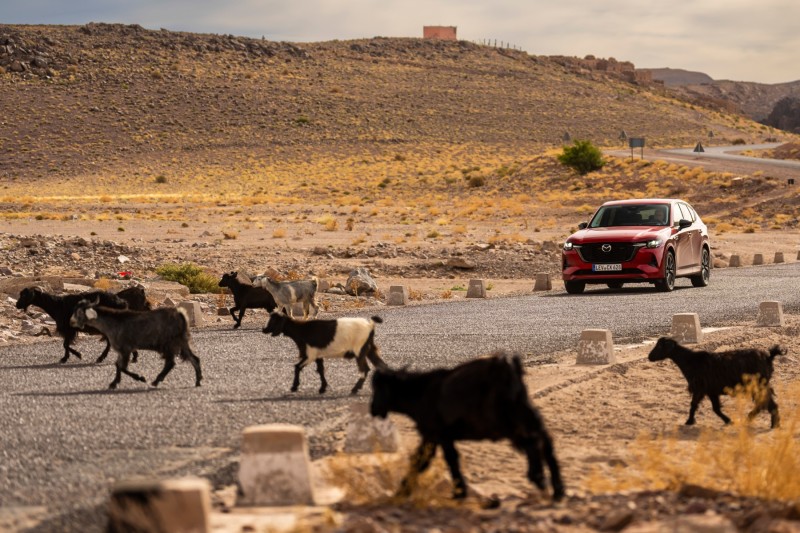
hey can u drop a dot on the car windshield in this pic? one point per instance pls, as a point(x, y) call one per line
point(631, 215)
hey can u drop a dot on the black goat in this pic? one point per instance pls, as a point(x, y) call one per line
point(317, 339)
point(246, 295)
point(165, 330)
point(60, 309)
point(136, 299)
point(713, 374)
point(478, 400)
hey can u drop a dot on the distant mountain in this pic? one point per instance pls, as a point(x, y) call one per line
point(673, 77)
point(754, 100)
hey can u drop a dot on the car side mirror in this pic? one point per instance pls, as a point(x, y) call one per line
point(583, 225)
point(683, 224)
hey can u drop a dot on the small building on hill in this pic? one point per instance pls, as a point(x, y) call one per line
point(446, 33)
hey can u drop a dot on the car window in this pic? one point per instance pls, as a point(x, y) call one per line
point(686, 208)
point(631, 215)
point(685, 213)
point(676, 214)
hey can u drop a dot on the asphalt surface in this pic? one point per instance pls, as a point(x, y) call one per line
point(730, 153)
point(65, 438)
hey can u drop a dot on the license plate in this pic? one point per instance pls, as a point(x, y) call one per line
point(610, 267)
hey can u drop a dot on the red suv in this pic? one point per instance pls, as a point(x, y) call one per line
point(638, 241)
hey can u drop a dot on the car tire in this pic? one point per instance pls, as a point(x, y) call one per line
point(615, 285)
point(702, 279)
point(574, 287)
point(667, 283)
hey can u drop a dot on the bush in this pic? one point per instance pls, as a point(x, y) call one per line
point(583, 156)
point(191, 275)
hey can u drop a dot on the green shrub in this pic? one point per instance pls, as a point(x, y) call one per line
point(192, 276)
point(583, 156)
point(476, 181)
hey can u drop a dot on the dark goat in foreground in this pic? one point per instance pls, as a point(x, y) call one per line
point(60, 309)
point(478, 400)
point(165, 330)
point(317, 339)
point(713, 374)
point(246, 296)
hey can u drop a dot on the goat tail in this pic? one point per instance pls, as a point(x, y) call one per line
point(185, 314)
point(377, 320)
point(776, 350)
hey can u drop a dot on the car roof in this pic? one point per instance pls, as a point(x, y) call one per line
point(638, 201)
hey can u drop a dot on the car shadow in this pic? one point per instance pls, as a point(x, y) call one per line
point(629, 291)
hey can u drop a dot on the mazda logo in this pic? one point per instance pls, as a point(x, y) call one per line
point(606, 248)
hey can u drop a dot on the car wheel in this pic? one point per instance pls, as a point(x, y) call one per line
point(574, 287)
point(701, 280)
point(667, 283)
point(615, 285)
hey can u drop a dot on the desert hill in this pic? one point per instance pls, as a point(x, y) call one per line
point(106, 99)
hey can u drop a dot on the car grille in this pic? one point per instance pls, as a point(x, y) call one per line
point(619, 253)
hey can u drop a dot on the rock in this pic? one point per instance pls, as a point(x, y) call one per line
point(122, 259)
point(460, 263)
point(319, 250)
point(75, 256)
point(617, 520)
point(5, 271)
point(360, 282)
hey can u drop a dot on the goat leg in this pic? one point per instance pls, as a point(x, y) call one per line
point(420, 462)
point(169, 364)
point(239, 320)
point(693, 408)
point(105, 352)
point(187, 353)
point(321, 371)
point(297, 368)
point(715, 405)
point(68, 349)
point(552, 464)
point(451, 457)
point(363, 367)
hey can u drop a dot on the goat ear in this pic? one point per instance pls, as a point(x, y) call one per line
point(91, 314)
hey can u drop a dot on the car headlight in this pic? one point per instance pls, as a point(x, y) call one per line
point(568, 246)
point(655, 243)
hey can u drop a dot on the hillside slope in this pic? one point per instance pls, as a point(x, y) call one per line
point(110, 99)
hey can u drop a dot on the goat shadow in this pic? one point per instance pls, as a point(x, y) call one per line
point(292, 397)
point(95, 392)
point(45, 366)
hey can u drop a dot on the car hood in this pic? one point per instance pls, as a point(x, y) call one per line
point(620, 234)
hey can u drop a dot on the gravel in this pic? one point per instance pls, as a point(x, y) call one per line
point(66, 438)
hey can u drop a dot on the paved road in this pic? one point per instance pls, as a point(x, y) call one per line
point(729, 153)
point(65, 438)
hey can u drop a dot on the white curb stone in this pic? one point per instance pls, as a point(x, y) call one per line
point(596, 347)
point(274, 468)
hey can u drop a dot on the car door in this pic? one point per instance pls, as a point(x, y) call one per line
point(696, 239)
point(683, 241)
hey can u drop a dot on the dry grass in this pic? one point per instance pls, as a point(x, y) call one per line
point(741, 458)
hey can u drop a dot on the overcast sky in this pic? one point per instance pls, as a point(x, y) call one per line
point(740, 40)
